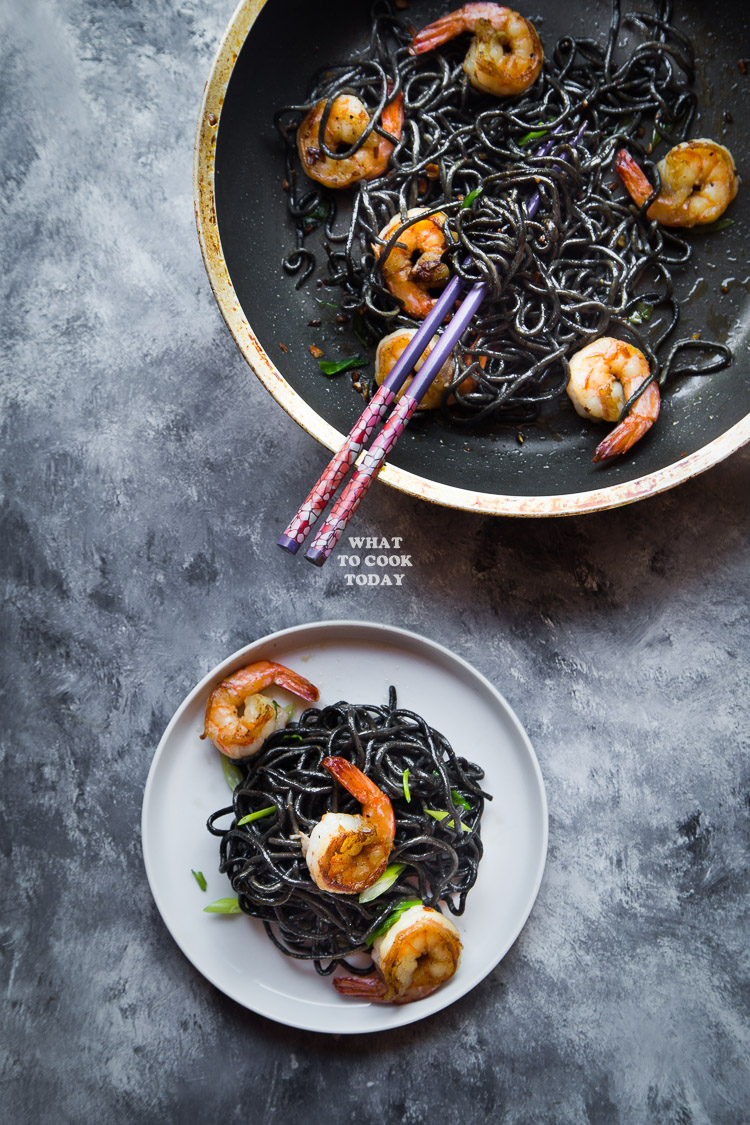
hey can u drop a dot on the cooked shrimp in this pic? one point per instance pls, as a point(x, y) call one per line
point(391, 348)
point(698, 182)
point(419, 952)
point(603, 376)
point(346, 123)
point(505, 55)
point(345, 852)
point(414, 264)
point(238, 719)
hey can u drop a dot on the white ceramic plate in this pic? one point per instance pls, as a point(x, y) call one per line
point(357, 662)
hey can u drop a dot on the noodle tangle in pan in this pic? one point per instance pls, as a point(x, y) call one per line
point(588, 262)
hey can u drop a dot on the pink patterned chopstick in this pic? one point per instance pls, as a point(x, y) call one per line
point(363, 428)
point(347, 504)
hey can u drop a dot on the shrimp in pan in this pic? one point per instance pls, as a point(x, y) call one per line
point(346, 123)
point(345, 852)
point(698, 182)
point(418, 953)
point(390, 350)
point(413, 265)
point(505, 55)
point(239, 719)
point(603, 376)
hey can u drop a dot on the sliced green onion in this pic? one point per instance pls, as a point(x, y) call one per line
point(335, 367)
point(534, 135)
point(708, 228)
point(292, 737)
point(232, 773)
point(642, 313)
point(467, 202)
point(386, 880)
point(440, 814)
point(257, 815)
point(200, 879)
point(326, 304)
point(223, 906)
point(660, 135)
point(315, 218)
point(394, 916)
point(405, 783)
point(459, 800)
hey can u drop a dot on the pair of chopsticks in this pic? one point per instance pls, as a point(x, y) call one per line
point(338, 467)
point(378, 406)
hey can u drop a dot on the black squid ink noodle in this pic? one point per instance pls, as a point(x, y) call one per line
point(437, 802)
point(588, 263)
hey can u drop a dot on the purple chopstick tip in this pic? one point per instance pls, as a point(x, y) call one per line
point(289, 544)
point(315, 556)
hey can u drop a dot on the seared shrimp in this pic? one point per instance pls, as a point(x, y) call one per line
point(346, 123)
point(238, 719)
point(345, 852)
point(419, 952)
point(603, 376)
point(698, 182)
point(414, 264)
point(505, 55)
point(391, 348)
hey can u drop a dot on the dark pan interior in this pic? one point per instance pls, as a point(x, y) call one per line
point(290, 41)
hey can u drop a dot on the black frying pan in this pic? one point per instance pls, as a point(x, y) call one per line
point(245, 234)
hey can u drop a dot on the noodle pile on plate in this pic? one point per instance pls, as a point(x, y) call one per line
point(437, 802)
point(588, 263)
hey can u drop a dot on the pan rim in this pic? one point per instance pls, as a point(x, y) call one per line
point(574, 503)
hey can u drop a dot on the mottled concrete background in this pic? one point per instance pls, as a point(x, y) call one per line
point(146, 476)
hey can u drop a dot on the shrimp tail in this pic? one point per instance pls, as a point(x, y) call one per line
point(634, 178)
point(371, 987)
point(295, 683)
point(435, 34)
point(392, 119)
point(624, 435)
point(256, 677)
point(373, 800)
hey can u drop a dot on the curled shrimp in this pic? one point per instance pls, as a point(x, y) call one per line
point(418, 953)
point(698, 182)
point(390, 349)
point(347, 121)
point(345, 852)
point(414, 263)
point(603, 376)
point(505, 55)
point(239, 719)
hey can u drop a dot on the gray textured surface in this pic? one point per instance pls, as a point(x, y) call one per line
point(146, 476)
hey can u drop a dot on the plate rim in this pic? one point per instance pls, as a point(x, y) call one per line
point(408, 1013)
point(450, 496)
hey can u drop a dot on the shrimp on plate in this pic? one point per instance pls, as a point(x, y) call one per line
point(418, 953)
point(414, 263)
point(391, 348)
point(346, 123)
point(346, 852)
point(603, 376)
point(505, 55)
point(239, 719)
point(698, 182)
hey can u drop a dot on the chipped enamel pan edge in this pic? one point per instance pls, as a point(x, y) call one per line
point(489, 503)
